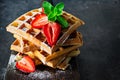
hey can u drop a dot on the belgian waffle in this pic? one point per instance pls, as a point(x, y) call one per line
point(22, 45)
point(61, 62)
point(58, 59)
point(21, 26)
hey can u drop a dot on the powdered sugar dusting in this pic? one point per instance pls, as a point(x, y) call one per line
point(40, 75)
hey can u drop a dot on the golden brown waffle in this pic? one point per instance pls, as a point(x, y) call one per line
point(74, 39)
point(22, 45)
point(58, 59)
point(63, 51)
point(60, 62)
point(74, 23)
point(64, 64)
point(21, 26)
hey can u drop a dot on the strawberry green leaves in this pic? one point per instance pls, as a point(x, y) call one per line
point(54, 13)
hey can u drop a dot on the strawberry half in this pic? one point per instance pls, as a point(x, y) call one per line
point(52, 32)
point(26, 65)
point(39, 21)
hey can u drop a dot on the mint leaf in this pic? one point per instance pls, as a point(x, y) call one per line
point(52, 15)
point(59, 7)
point(53, 18)
point(47, 7)
point(62, 21)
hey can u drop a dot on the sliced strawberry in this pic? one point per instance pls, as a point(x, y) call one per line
point(26, 65)
point(39, 21)
point(52, 32)
point(47, 32)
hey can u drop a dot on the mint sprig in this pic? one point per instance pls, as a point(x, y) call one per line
point(54, 13)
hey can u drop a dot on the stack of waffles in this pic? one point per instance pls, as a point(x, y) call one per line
point(32, 42)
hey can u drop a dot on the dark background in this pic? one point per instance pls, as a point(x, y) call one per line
point(100, 55)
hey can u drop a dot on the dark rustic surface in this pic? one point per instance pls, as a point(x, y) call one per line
point(100, 55)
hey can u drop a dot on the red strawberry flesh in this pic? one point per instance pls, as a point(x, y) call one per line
point(39, 21)
point(26, 65)
point(52, 31)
